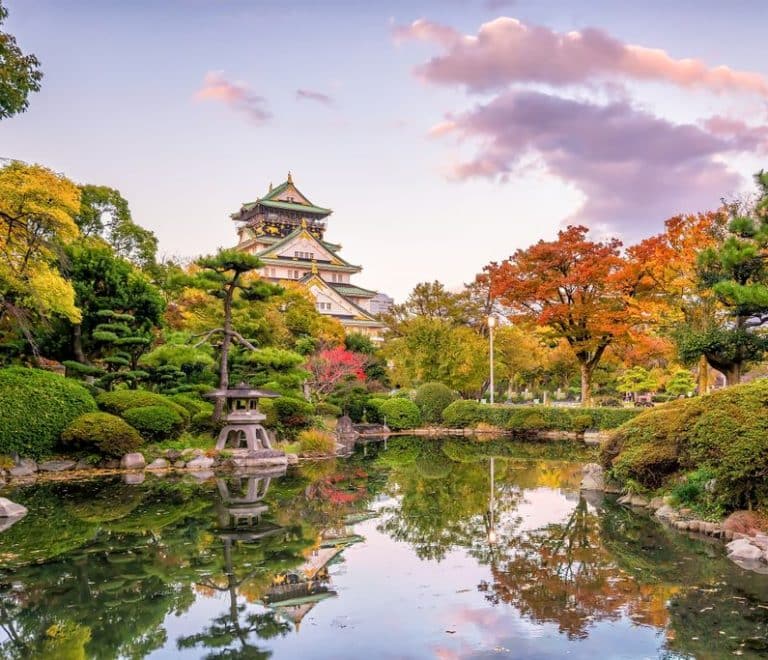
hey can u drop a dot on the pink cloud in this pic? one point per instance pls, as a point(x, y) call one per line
point(310, 95)
point(635, 169)
point(236, 95)
point(506, 51)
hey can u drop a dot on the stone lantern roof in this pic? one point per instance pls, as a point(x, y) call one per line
point(242, 391)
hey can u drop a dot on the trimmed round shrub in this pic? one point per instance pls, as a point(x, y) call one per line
point(315, 441)
point(432, 399)
point(155, 422)
point(533, 421)
point(191, 403)
point(101, 433)
point(327, 410)
point(287, 415)
point(119, 401)
point(582, 422)
point(463, 414)
point(203, 422)
point(35, 407)
point(399, 413)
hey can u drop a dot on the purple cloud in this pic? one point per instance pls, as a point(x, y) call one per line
point(635, 169)
point(310, 95)
point(506, 51)
point(236, 95)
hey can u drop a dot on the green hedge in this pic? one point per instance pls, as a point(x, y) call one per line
point(287, 415)
point(432, 399)
point(725, 432)
point(101, 433)
point(119, 401)
point(465, 414)
point(399, 413)
point(35, 407)
point(155, 422)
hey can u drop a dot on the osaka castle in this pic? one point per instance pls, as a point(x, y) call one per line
point(287, 232)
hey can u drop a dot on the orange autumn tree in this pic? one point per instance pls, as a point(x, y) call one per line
point(667, 267)
point(580, 289)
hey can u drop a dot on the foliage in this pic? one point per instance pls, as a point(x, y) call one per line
point(725, 433)
point(398, 414)
point(331, 366)
point(36, 217)
point(314, 441)
point(465, 414)
point(119, 401)
point(20, 74)
point(101, 433)
point(35, 407)
point(287, 415)
point(327, 409)
point(636, 380)
point(104, 213)
point(432, 399)
point(681, 383)
point(579, 289)
point(155, 422)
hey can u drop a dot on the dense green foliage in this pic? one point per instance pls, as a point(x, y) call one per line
point(122, 400)
point(101, 433)
point(287, 415)
point(20, 74)
point(725, 433)
point(399, 413)
point(35, 407)
point(432, 399)
point(155, 422)
point(462, 414)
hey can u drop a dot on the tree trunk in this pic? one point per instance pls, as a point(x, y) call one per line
point(77, 343)
point(703, 375)
point(224, 355)
point(732, 375)
point(586, 385)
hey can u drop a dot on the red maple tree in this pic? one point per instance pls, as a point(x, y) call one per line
point(331, 366)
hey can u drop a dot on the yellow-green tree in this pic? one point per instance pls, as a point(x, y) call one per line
point(37, 209)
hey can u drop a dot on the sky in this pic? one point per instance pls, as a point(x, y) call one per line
point(444, 135)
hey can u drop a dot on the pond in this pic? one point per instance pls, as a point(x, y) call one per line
point(420, 548)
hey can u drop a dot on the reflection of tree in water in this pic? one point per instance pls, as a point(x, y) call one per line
point(443, 504)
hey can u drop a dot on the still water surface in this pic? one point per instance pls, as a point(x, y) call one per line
point(420, 549)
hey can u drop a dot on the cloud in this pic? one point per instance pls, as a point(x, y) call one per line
point(635, 169)
point(310, 95)
point(507, 51)
point(236, 95)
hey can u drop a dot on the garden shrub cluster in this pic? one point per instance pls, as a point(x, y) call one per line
point(101, 433)
point(155, 422)
point(399, 413)
point(432, 399)
point(287, 415)
point(466, 414)
point(35, 407)
point(119, 401)
point(724, 434)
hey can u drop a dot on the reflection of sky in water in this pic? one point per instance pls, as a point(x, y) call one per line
point(391, 604)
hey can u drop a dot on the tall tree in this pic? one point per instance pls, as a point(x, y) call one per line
point(20, 74)
point(576, 287)
point(736, 273)
point(223, 276)
point(104, 213)
point(37, 207)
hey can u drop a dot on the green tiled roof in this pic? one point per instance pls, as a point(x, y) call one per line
point(291, 206)
point(352, 290)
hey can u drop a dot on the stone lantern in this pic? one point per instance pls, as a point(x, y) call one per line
point(243, 428)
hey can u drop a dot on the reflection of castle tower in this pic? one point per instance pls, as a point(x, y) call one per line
point(296, 592)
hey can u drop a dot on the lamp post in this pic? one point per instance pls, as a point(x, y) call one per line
point(491, 326)
point(492, 509)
